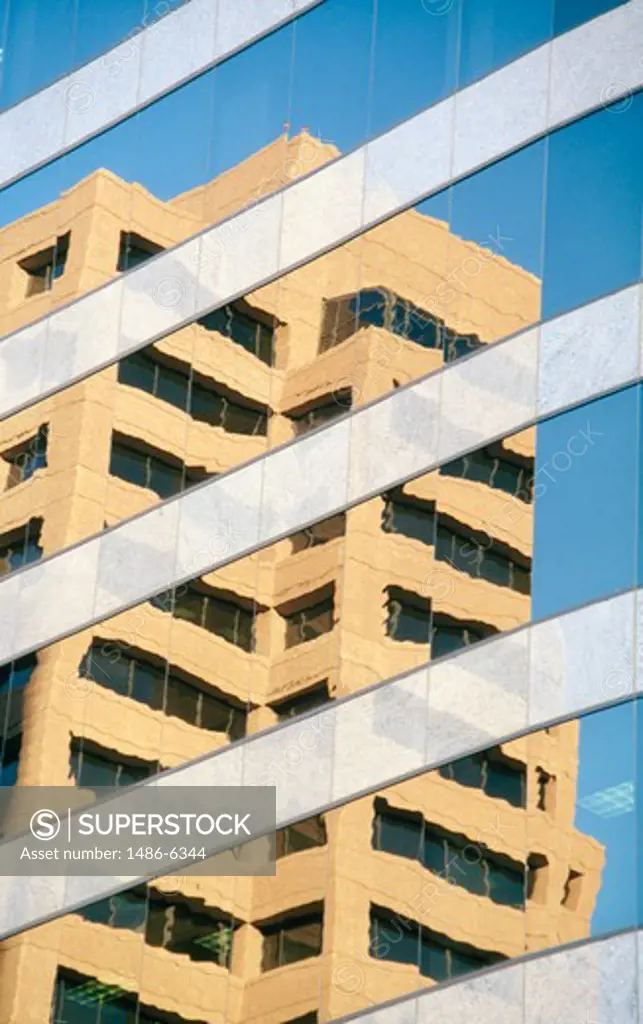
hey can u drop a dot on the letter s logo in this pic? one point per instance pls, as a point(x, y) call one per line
point(45, 825)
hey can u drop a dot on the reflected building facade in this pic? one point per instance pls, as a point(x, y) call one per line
point(450, 871)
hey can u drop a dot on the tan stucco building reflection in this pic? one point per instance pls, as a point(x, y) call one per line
point(316, 616)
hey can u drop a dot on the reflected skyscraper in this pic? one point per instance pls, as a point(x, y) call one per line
point(450, 871)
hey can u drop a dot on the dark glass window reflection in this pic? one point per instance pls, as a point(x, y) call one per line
point(20, 547)
point(204, 400)
point(492, 773)
point(42, 268)
point(449, 634)
point(137, 676)
point(299, 703)
point(232, 620)
point(159, 473)
point(174, 925)
point(134, 250)
point(295, 935)
point(10, 760)
point(497, 468)
point(27, 457)
point(244, 328)
point(448, 855)
point(79, 999)
point(410, 517)
point(437, 956)
point(304, 835)
point(93, 766)
point(408, 616)
point(17, 674)
point(310, 620)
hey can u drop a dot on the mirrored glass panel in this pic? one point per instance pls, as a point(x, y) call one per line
point(515, 849)
point(587, 477)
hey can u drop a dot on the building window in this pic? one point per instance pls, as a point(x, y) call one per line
point(143, 468)
point(311, 617)
point(409, 517)
point(26, 458)
point(167, 922)
point(230, 414)
point(134, 250)
point(408, 616)
point(498, 469)
point(537, 878)
point(20, 547)
point(46, 266)
point(546, 783)
point(464, 549)
point(437, 956)
point(92, 766)
point(295, 935)
point(449, 634)
point(449, 856)
point(14, 677)
point(320, 533)
point(467, 551)
point(135, 676)
point(83, 1000)
point(244, 327)
point(217, 406)
point(229, 619)
point(202, 936)
point(572, 890)
point(126, 910)
point(304, 835)
point(10, 760)
point(455, 346)
point(323, 410)
point(378, 307)
point(17, 674)
point(299, 703)
point(398, 832)
point(491, 772)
